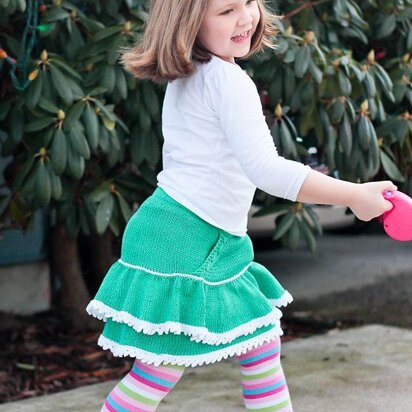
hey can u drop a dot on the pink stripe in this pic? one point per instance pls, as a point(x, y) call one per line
point(149, 383)
point(262, 395)
point(132, 383)
point(277, 398)
point(272, 381)
point(170, 371)
point(108, 407)
point(259, 361)
point(157, 374)
point(120, 398)
point(260, 349)
point(278, 376)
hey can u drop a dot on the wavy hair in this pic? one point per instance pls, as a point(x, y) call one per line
point(169, 45)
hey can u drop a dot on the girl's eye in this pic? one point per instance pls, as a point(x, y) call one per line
point(226, 12)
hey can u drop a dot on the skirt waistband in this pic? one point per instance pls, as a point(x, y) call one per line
point(164, 236)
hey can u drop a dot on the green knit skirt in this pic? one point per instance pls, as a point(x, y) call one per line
point(185, 292)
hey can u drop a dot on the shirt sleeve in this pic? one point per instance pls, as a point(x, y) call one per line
point(234, 97)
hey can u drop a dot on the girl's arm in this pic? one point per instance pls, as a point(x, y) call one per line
point(364, 199)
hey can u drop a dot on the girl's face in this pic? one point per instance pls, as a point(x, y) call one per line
point(228, 26)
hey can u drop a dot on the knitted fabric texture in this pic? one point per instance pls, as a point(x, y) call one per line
point(185, 292)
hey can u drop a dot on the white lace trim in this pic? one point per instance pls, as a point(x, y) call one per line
point(185, 275)
point(284, 300)
point(196, 333)
point(192, 360)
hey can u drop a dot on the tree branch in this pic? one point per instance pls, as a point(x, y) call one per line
point(307, 5)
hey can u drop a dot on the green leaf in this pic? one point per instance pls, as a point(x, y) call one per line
point(383, 77)
point(277, 208)
point(108, 78)
point(144, 119)
point(344, 84)
point(34, 91)
point(289, 148)
point(104, 213)
point(65, 67)
point(345, 135)
point(75, 163)
point(313, 218)
point(58, 152)
point(91, 124)
point(121, 83)
point(370, 85)
point(23, 171)
point(150, 99)
point(302, 61)
point(374, 156)
point(55, 182)
point(106, 32)
point(79, 142)
point(124, 207)
point(61, 85)
point(16, 125)
point(48, 106)
point(105, 111)
point(308, 235)
point(290, 83)
point(73, 115)
point(387, 26)
point(98, 90)
point(283, 223)
point(399, 91)
point(336, 111)
point(42, 184)
point(409, 40)
point(390, 168)
point(293, 235)
point(55, 14)
point(98, 194)
point(362, 130)
point(315, 72)
point(39, 124)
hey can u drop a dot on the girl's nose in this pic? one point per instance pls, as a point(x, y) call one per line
point(245, 18)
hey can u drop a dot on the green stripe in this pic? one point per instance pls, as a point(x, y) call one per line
point(136, 396)
point(274, 407)
point(260, 375)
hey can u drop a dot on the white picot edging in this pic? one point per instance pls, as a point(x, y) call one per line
point(198, 334)
point(193, 360)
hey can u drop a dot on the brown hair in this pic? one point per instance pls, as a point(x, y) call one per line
point(169, 46)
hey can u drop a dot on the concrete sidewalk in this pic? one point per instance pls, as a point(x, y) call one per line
point(367, 369)
point(366, 278)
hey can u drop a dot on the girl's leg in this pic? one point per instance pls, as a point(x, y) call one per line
point(263, 383)
point(143, 388)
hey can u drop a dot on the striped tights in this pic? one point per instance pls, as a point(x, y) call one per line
point(143, 388)
point(264, 387)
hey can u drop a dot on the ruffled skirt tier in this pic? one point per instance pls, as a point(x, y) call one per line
point(185, 292)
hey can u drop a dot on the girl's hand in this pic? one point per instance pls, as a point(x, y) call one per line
point(368, 202)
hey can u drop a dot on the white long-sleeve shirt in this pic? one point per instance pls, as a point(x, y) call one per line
point(218, 147)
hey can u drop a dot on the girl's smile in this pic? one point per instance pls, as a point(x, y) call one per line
point(241, 38)
point(228, 26)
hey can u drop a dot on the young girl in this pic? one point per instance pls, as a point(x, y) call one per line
point(186, 291)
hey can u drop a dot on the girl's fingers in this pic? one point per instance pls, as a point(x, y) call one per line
point(388, 205)
point(390, 187)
